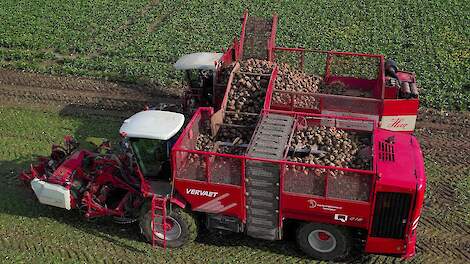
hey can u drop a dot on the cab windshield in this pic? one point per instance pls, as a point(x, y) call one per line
point(150, 154)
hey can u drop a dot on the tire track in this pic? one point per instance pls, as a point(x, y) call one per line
point(99, 101)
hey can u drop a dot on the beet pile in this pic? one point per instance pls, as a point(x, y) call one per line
point(329, 146)
point(248, 90)
point(244, 103)
point(290, 79)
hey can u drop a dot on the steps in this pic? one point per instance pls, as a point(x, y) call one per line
point(262, 178)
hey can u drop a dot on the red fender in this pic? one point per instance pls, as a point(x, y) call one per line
point(178, 200)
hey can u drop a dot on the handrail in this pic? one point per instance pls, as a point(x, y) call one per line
point(242, 34)
point(286, 162)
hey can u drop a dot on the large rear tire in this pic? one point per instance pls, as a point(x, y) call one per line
point(181, 228)
point(324, 242)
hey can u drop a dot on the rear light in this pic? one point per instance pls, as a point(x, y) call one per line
point(391, 215)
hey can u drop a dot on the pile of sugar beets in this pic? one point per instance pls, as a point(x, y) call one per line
point(244, 103)
point(320, 145)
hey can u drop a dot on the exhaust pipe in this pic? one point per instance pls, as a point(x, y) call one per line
point(405, 90)
point(414, 90)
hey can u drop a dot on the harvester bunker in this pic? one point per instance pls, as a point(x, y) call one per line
point(314, 149)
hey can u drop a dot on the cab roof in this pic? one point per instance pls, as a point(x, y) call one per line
point(198, 61)
point(152, 124)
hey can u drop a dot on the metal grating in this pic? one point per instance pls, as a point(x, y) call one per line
point(390, 215)
point(271, 137)
point(386, 151)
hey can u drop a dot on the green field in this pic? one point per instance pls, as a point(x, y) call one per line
point(35, 233)
point(139, 40)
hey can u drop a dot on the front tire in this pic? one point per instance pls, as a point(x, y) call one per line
point(324, 242)
point(181, 228)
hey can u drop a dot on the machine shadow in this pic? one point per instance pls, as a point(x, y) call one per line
point(286, 247)
point(19, 200)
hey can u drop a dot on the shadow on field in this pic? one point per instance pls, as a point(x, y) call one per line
point(19, 200)
point(286, 247)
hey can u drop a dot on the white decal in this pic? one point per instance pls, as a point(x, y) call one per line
point(341, 217)
point(415, 223)
point(201, 192)
point(313, 204)
point(356, 219)
point(399, 123)
point(215, 206)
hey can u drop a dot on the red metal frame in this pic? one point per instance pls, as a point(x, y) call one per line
point(159, 203)
point(293, 205)
point(403, 110)
point(181, 183)
point(242, 34)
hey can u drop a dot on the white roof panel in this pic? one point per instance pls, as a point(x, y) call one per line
point(199, 61)
point(152, 124)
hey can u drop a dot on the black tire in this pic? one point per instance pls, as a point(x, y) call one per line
point(327, 242)
point(179, 218)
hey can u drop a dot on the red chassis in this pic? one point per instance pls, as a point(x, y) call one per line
point(400, 177)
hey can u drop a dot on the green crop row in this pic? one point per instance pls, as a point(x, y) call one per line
point(131, 40)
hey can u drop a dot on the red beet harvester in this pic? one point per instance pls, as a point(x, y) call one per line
point(160, 180)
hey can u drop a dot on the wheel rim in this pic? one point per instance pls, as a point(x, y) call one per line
point(322, 241)
point(172, 227)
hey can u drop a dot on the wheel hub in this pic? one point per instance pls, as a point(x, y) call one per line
point(171, 229)
point(322, 241)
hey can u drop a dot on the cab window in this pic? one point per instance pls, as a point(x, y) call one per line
point(150, 155)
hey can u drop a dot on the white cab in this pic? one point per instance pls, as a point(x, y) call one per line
point(198, 61)
point(152, 124)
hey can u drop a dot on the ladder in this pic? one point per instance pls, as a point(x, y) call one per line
point(159, 204)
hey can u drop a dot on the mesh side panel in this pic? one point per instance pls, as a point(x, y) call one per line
point(181, 158)
point(194, 168)
point(190, 165)
point(309, 61)
point(305, 180)
point(350, 104)
point(292, 100)
point(289, 57)
point(349, 185)
point(306, 101)
point(225, 170)
point(355, 66)
point(282, 100)
point(314, 63)
point(257, 33)
point(319, 102)
point(189, 140)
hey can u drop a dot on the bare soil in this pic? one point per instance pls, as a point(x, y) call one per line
point(444, 229)
point(77, 94)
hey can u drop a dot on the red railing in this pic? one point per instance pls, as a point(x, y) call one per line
point(272, 39)
point(242, 34)
point(357, 70)
point(199, 165)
